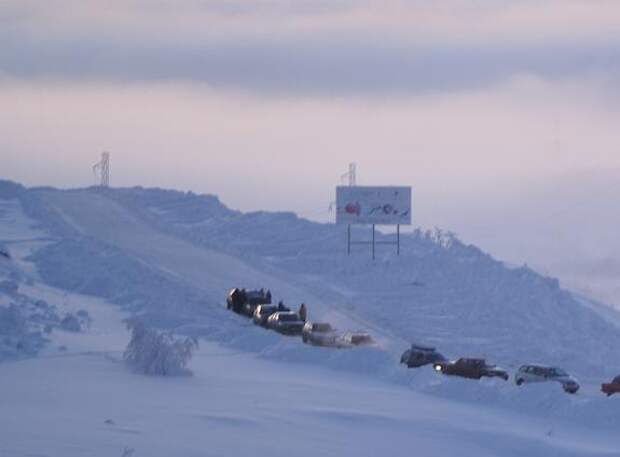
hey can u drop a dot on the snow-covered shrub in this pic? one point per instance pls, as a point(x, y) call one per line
point(4, 252)
point(12, 321)
point(17, 339)
point(84, 317)
point(70, 323)
point(42, 304)
point(158, 353)
point(9, 287)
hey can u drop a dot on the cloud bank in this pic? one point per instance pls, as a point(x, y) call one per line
point(312, 48)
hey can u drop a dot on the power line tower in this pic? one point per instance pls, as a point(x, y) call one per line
point(350, 175)
point(349, 178)
point(101, 170)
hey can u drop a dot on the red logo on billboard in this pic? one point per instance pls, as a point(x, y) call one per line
point(353, 208)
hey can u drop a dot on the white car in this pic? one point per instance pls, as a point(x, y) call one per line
point(285, 322)
point(357, 339)
point(319, 334)
point(542, 373)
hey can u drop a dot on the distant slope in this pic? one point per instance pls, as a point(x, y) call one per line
point(439, 290)
point(569, 231)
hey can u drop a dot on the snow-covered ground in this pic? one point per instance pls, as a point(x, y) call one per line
point(171, 257)
point(83, 401)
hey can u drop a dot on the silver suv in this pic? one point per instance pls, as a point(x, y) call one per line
point(541, 373)
point(319, 334)
point(285, 322)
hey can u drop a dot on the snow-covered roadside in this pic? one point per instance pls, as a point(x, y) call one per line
point(292, 381)
point(440, 290)
point(85, 402)
point(207, 271)
point(237, 394)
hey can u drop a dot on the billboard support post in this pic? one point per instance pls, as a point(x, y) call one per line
point(349, 239)
point(373, 241)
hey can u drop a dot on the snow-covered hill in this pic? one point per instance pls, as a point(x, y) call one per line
point(175, 255)
point(172, 256)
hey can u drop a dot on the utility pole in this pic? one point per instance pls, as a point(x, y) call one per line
point(350, 175)
point(101, 170)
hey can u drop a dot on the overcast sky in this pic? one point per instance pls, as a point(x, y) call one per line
point(472, 102)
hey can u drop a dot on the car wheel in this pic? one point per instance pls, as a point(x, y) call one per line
point(519, 382)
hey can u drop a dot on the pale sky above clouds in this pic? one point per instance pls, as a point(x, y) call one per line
point(266, 102)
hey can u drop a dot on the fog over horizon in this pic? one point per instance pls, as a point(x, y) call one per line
point(502, 115)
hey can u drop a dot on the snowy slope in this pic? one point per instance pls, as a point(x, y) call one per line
point(173, 256)
point(83, 402)
point(439, 290)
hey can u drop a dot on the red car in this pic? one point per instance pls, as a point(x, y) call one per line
point(612, 387)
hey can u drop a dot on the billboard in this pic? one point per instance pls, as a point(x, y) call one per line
point(388, 205)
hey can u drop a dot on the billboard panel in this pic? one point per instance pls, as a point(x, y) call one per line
point(388, 205)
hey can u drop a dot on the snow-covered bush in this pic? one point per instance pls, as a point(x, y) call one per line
point(9, 287)
point(12, 320)
point(84, 317)
point(4, 251)
point(158, 353)
point(42, 304)
point(17, 338)
point(70, 323)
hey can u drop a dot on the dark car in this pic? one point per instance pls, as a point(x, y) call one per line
point(319, 334)
point(244, 302)
point(612, 387)
point(470, 368)
point(285, 322)
point(418, 356)
point(262, 313)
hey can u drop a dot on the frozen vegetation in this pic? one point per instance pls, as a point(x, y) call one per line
point(158, 353)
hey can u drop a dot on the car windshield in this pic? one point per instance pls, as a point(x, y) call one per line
point(472, 362)
point(357, 338)
point(556, 372)
point(288, 317)
point(419, 347)
point(322, 328)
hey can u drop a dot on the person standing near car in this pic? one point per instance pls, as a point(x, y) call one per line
point(302, 312)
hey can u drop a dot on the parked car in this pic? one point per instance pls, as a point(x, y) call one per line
point(542, 373)
point(262, 313)
point(285, 322)
point(356, 339)
point(470, 368)
point(418, 356)
point(319, 334)
point(244, 302)
point(612, 387)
